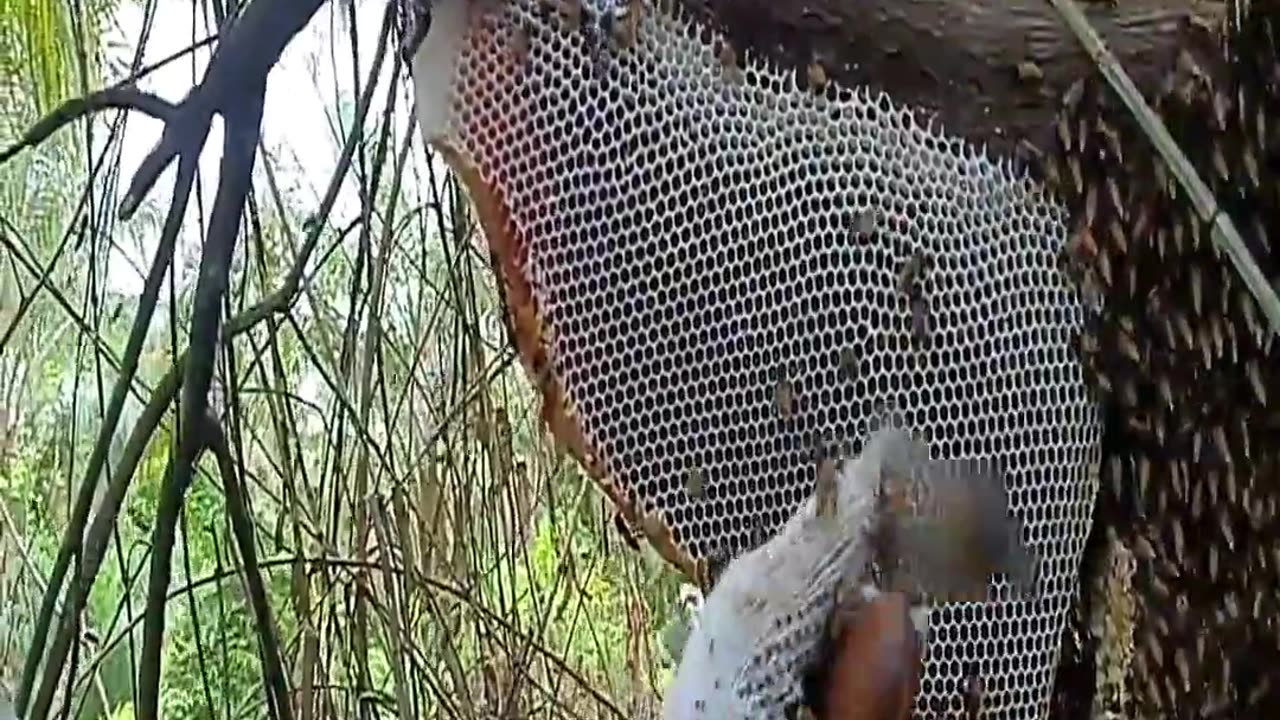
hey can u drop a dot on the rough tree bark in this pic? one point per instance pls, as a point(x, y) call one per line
point(991, 70)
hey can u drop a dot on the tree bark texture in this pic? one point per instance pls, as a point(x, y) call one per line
point(990, 70)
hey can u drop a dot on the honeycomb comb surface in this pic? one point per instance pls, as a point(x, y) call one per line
point(703, 261)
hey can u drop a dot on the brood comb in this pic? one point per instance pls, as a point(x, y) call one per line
point(711, 270)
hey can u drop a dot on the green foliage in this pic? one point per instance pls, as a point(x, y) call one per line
point(497, 564)
point(123, 711)
point(37, 38)
point(44, 61)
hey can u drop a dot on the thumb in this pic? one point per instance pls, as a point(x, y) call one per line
point(876, 665)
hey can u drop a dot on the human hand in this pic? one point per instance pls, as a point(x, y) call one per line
point(876, 664)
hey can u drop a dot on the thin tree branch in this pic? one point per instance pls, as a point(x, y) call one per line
point(96, 542)
point(120, 97)
point(276, 302)
point(239, 66)
point(73, 540)
point(279, 301)
point(273, 674)
point(234, 85)
point(146, 70)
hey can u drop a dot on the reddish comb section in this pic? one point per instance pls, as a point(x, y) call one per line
point(503, 52)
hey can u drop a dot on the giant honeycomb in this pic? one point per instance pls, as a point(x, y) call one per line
point(703, 261)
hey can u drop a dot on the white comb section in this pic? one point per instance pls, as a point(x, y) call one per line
point(761, 627)
point(434, 66)
point(691, 231)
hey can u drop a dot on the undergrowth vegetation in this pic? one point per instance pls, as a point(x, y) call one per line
point(425, 549)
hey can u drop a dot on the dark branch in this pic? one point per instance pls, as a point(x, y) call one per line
point(122, 97)
point(95, 544)
point(240, 139)
point(242, 527)
point(234, 86)
point(72, 542)
point(240, 65)
point(99, 534)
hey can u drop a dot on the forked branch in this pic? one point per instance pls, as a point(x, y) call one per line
point(234, 86)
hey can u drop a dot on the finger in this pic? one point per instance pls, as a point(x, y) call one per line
point(876, 665)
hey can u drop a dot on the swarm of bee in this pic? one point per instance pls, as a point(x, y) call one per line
point(1183, 361)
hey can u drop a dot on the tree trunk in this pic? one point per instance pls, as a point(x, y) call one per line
point(991, 70)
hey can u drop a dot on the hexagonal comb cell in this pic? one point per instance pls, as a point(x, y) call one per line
point(704, 270)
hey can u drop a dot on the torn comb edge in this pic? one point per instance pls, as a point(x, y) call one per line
point(531, 335)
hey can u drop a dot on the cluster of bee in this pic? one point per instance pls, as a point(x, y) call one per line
point(815, 73)
point(619, 20)
point(1184, 360)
